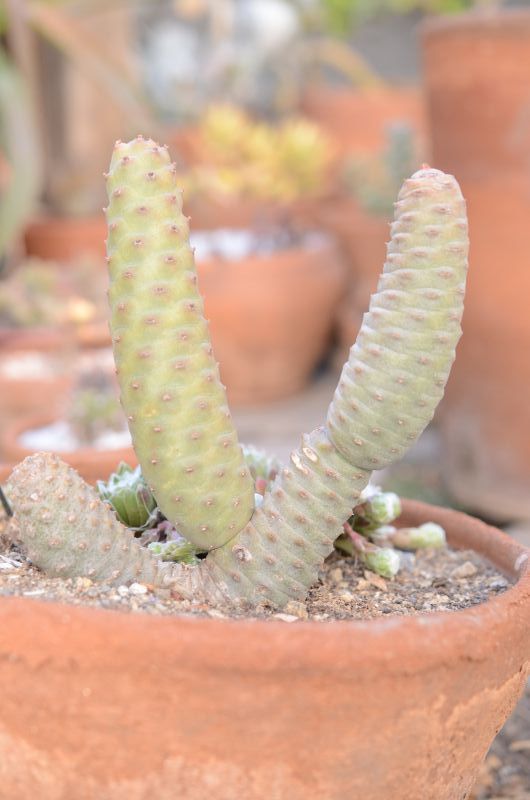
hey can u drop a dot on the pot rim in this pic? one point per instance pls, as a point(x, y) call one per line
point(497, 629)
point(13, 447)
point(292, 255)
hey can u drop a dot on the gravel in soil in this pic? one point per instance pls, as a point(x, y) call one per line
point(431, 580)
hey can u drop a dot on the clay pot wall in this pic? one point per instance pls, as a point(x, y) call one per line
point(477, 70)
point(102, 704)
point(271, 318)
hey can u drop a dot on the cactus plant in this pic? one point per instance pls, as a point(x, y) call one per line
point(181, 428)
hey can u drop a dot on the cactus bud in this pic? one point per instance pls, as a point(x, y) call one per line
point(427, 535)
point(383, 560)
point(378, 509)
point(130, 497)
point(179, 550)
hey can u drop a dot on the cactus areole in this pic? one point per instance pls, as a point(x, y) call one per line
point(178, 415)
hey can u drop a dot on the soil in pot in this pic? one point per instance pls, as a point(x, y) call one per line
point(441, 579)
point(270, 298)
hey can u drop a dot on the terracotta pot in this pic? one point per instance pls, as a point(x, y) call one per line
point(357, 119)
point(363, 238)
point(25, 393)
point(271, 318)
point(5, 472)
point(92, 464)
point(243, 213)
point(401, 707)
point(478, 88)
point(45, 339)
point(67, 239)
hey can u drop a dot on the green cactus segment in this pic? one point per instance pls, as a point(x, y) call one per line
point(170, 387)
point(279, 553)
point(387, 394)
point(427, 535)
point(398, 367)
point(180, 551)
point(383, 560)
point(377, 508)
point(68, 531)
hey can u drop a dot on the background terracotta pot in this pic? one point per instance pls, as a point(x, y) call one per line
point(5, 471)
point(29, 393)
point(92, 464)
point(357, 119)
point(401, 707)
point(363, 238)
point(67, 239)
point(271, 317)
point(478, 89)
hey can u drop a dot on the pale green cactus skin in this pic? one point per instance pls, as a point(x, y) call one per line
point(170, 388)
point(68, 531)
point(387, 393)
point(66, 527)
point(398, 367)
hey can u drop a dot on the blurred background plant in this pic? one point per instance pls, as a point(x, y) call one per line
point(93, 408)
point(234, 155)
point(375, 180)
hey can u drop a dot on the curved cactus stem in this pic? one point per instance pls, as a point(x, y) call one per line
point(387, 394)
point(175, 403)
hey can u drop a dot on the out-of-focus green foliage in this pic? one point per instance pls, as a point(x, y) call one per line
point(341, 16)
point(19, 155)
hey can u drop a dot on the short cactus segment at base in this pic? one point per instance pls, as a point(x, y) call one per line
point(170, 388)
point(387, 394)
point(68, 531)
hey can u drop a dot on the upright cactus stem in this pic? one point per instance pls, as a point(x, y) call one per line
point(170, 388)
point(398, 367)
point(181, 428)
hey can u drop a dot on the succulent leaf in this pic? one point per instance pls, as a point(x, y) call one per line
point(130, 497)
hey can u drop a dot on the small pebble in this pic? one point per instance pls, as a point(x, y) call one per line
point(123, 591)
point(138, 588)
point(336, 575)
point(296, 609)
point(286, 617)
point(465, 570)
point(213, 612)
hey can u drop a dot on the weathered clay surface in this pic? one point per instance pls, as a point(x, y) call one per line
point(100, 704)
point(476, 75)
